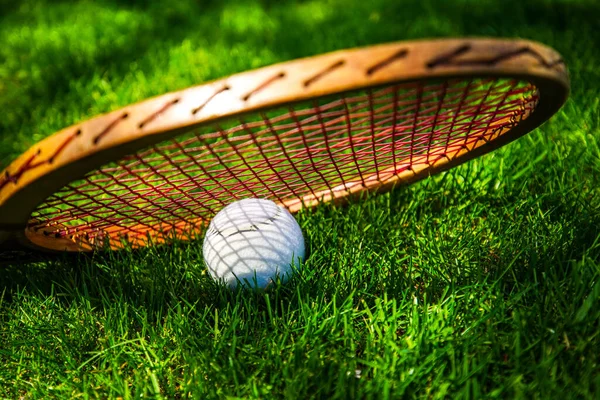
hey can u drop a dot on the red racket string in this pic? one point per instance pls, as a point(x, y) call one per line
point(286, 154)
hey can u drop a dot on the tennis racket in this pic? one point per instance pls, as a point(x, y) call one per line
point(300, 133)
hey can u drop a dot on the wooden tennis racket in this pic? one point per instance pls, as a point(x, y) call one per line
point(299, 133)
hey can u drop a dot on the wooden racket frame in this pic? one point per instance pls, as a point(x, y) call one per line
point(70, 153)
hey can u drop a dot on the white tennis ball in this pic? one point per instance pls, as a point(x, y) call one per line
point(253, 241)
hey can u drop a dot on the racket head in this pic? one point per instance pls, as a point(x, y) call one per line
point(300, 133)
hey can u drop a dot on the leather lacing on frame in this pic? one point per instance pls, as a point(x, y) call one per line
point(439, 61)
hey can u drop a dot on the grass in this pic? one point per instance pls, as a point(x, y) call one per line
point(480, 282)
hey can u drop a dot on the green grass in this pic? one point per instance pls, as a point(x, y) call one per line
point(480, 282)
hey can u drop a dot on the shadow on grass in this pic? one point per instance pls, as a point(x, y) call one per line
point(154, 278)
point(7, 7)
point(546, 236)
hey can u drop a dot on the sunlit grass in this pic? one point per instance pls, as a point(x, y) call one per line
point(481, 282)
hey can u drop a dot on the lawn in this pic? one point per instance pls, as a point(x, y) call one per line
point(483, 281)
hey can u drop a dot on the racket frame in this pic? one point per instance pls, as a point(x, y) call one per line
point(68, 154)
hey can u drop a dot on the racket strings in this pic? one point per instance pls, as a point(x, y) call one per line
point(296, 154)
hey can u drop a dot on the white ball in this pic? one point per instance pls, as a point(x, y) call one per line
point(253, 241)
